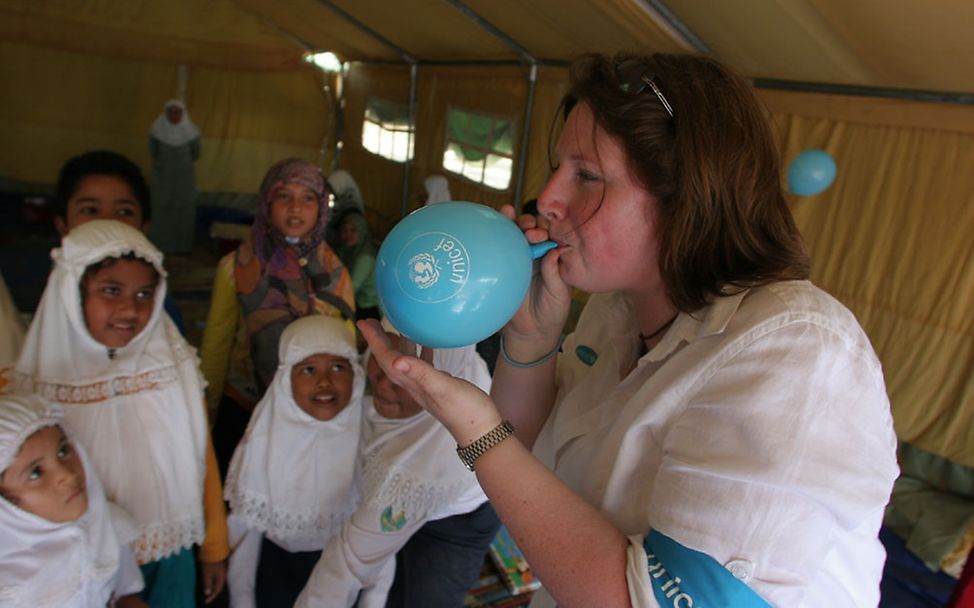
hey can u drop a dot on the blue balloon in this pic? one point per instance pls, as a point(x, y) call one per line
point(452, 274)
point(811, 172)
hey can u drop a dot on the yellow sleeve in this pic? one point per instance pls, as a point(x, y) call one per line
point(221, 326)
point(216, 543)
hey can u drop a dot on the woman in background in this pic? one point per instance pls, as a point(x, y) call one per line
point(174, 143)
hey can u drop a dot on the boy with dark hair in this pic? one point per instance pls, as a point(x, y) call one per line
point(101, 184)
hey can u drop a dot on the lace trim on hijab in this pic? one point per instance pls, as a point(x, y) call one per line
point(157, 541)
point(75, 394)
point(256, 512)
point(100, 391)
point(414, 496)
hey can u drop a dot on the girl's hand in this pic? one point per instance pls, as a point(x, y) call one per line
point(538, 323)
point(465, 410)
point(214, 577)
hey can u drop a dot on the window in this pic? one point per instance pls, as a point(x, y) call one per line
point(480, 147)
point(386, 130)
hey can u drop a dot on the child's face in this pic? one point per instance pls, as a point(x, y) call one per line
point(349, 234)
point(322, 385)
point(294, 210)
point(101, 197)
point(390, 400)
point(47, 478)
point(119, 299)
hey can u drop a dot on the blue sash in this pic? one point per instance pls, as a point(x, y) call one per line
point(683, 578)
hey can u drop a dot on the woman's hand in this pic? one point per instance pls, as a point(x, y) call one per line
point(465, 410)
point(213, 576)
point(537, 325)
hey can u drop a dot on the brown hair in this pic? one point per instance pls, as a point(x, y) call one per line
point(713, 165)
point(92, 269)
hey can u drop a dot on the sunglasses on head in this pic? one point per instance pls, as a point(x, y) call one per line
point(635, 77)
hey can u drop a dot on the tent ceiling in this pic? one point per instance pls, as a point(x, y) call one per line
point(878, 43)
point(873, 43)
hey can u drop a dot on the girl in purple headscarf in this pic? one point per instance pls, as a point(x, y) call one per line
point(284, 270)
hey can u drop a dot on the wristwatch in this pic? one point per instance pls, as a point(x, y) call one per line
point(478, 448)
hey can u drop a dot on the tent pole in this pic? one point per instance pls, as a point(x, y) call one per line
point(673, 25)
point(865, 91)
point(182, 73)
point(339, 116)
point(530, 60)
point(522, 160)
point(406, 58)
point(408, 165)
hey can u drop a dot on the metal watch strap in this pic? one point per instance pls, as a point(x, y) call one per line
point(477, 449)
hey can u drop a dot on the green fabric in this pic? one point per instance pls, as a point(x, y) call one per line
point(360, 261)
point(932, 504)
point(173, 195)
point(171, 581)
point(387, 113)
point(482, 133)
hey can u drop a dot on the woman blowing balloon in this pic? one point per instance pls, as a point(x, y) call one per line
point(716, 430)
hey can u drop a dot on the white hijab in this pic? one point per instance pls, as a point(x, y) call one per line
point(43, 563)
point(292, 475)
point(411, 463)
point(437, 189)
point(139, 413)
point(177, 134)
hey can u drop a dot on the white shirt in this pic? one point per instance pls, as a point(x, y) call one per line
point(410, 475)
point(757, 431)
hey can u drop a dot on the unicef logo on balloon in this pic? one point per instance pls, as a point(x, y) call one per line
point(434, 267)
point(423, 271)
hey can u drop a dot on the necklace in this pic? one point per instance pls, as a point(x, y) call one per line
point(659, 331)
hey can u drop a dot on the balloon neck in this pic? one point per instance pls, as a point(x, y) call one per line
point(539, 249)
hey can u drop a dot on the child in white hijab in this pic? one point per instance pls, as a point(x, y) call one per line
point(63, 543)
point(421, 509)
point(290, 484)
point(133, 397)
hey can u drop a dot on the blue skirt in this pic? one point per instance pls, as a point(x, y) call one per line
point(171, 581)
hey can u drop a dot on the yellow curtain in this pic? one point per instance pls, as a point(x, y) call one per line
point(55, 104)
point(892, 240)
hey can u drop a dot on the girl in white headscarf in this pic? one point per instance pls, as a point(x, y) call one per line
point(63, 543)
point(421, 508)
point(133, 397)
point(290, 484)
point(174, 143)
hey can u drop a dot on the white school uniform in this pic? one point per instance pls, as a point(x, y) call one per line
point(137, 409)
point(410, 475)
point(291, 477)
